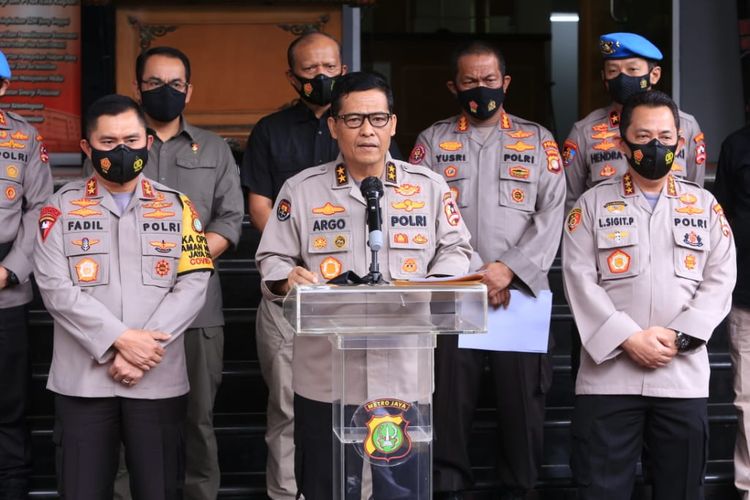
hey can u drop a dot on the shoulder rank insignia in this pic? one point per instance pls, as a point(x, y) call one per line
point(462, 125)
point(92, 189)
point(627, 185)
point(342, 177)
point(505, 123)
point(614, 119)
point(390, 172)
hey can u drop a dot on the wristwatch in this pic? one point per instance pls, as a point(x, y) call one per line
point(682, 342)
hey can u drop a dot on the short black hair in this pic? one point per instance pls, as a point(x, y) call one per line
point(110, 105)
point(359, 81)
point(477, 47)
point(650, 99)
point(305, 36)
point(140, 62)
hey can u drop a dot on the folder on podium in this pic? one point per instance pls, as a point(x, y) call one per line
point(383, 338)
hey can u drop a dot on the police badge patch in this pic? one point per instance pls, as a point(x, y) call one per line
point(386, 421)
point(284, 210)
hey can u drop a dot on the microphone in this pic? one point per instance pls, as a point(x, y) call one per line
point(372, 191)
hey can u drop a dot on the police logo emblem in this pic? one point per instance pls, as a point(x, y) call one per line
point(607, 171)
point(161, 267)
point(320, 242)
point(518, 195)
point(693, 239)
point(162, 246)
point(47, 218)
point(574, 219)
point(85, 243)
point(330, 268)
point(387, 438)
point(450, 171)
point(87, 270)
point(618, 262)
point(408, 189)
point(690, 262)
point(417, 154)
point(284, 210)
point(105, 164)
point(409, 265)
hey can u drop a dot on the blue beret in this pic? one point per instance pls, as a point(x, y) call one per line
point(4, 67)
point(624, 45)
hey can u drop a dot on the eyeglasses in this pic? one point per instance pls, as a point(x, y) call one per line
point(155, 83)
point(355, 120)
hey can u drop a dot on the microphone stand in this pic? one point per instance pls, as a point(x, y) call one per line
point(374, 277)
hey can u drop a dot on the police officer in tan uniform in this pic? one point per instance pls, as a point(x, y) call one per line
point(25, 183)
point(200, 164)
point(122, 264)
point(506, 175)
point(317, 232)
point(649, 268)
point(590, 154)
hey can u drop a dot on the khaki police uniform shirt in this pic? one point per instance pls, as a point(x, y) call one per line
point(200, 164)
point(101, 272)
point(590, 153)
point(627, 267)
point(25, 184)
point(319, 223)
point(509, 187)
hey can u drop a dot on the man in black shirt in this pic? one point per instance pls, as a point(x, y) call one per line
point(281, 145)
point(732, 191)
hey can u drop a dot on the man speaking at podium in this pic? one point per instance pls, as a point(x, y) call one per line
point(317, 232)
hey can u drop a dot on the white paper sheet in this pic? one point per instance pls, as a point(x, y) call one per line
point(523, 327)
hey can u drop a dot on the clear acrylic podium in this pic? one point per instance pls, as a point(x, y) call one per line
point(383, 338)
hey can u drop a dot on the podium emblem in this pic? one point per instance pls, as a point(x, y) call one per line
point(387, 437)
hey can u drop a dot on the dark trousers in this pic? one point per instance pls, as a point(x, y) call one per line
point(88, 433)
point(521, 381)
point(15, 443)
point(313, 461)
point(611, 432)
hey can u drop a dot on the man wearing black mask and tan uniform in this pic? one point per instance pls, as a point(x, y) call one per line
point(122, 265)
point(200, 164)
point(505, 174)
point(649, 268)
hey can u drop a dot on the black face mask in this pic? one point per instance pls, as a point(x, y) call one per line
point(316, 90)
point(481, 102)
point(121, 164)
point(164, 103)
point(652, 160)
point(623, 87)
